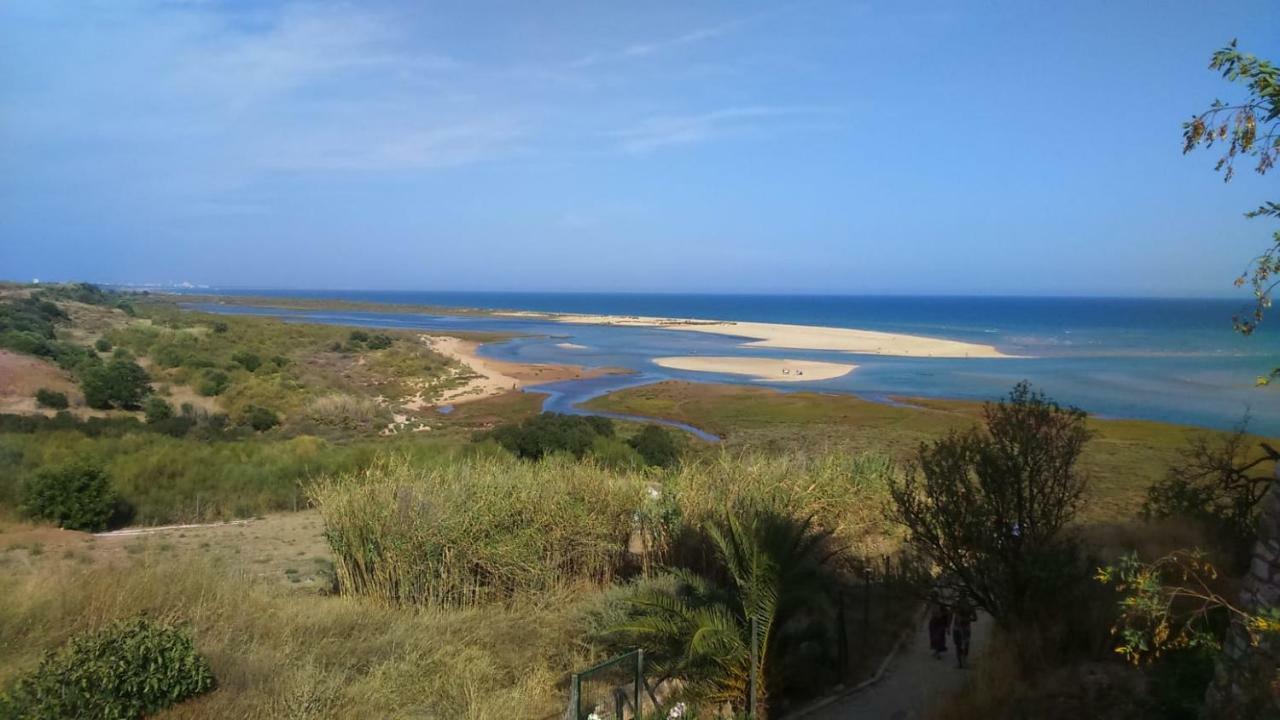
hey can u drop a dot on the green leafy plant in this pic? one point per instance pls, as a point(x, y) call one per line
point(51, 399)
point(127, 670)
point(102, 345)
point(769, 568)
point(77, 496)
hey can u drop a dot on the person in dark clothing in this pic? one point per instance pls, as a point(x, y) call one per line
point(961, 631)
point(939, 622)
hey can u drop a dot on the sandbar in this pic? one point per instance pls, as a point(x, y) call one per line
point(797, 337)
point(771, 369)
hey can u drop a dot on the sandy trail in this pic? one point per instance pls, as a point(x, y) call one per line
point(795, 337)
point(914, 684)
point(760, 368)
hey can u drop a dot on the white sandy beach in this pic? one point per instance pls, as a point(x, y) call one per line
point(797, 337)
point(760, 368)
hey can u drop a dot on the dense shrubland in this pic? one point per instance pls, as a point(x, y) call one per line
point(585, 436)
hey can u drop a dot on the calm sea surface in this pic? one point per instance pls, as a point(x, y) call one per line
point(1162, 359)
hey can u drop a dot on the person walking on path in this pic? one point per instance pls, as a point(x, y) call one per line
point(961, 629)
point(939, 623)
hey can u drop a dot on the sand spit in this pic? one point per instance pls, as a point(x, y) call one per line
point(797, 337)
point(771, 369)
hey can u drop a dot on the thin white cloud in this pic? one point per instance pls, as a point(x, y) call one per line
point(663, 131)
point(642, 49)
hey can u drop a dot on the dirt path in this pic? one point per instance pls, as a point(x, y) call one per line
point(913, 683)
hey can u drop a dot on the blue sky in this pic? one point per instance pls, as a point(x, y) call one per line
point(824, 147)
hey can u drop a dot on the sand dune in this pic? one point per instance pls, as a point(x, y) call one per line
point(797, 337)
point(760, 368)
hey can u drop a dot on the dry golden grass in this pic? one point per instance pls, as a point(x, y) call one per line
point(283, 654)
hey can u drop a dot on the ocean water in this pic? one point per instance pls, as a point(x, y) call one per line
point(1176, 360)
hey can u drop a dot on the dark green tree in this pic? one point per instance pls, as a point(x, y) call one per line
point(1247, 127)
point(78, 496)
point(656, 445)
point(991, 505)
point(119, 383)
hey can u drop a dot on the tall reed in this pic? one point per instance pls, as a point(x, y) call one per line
point(476, 531)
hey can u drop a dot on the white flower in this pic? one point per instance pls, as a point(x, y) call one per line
point(676, 712)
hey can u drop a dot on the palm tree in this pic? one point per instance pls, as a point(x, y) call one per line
point(769, 567)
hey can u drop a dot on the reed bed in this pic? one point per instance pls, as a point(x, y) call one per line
point(842, 492)
point(476, 531)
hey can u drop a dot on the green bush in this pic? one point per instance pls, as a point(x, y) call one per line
point(120, 383)
point(260, 418)
point(51, 399)
point(378, 342)
point(543, 434)
point(157, 409)
point(214, 382)
point(656, 445)
point(358, 336)
point(103, 345)
point(129, 669)
point(77, 497)
point(247, 360)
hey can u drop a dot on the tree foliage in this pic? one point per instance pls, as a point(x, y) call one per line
point(1248, 127)
point(656, 445)
point(990, 505)
point(120, 383)
point(76, 496)
point(540, 435)
point(1175, 602)
point(1218, 481)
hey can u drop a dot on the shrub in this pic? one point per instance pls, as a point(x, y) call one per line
point(1217, 481)
point(77, 497)
point(260, 418)
point(102, 345)
point(358, 336)
point(378, 342)
point(51, 399)
point(129, 669)
point(656, 445)
point(214, 382)
point(247, 360)
point(120, 383)
point(551, 432)
point(157, 409)
point(220, 327)
point(991, 507)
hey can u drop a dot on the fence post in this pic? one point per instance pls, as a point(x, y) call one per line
point(575, 696)
point(842, 636)
point(753, 679)
point(866, 611)
point(619, 703)
point(639, 683)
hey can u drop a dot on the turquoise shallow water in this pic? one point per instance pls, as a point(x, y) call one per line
point(1173, 360)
